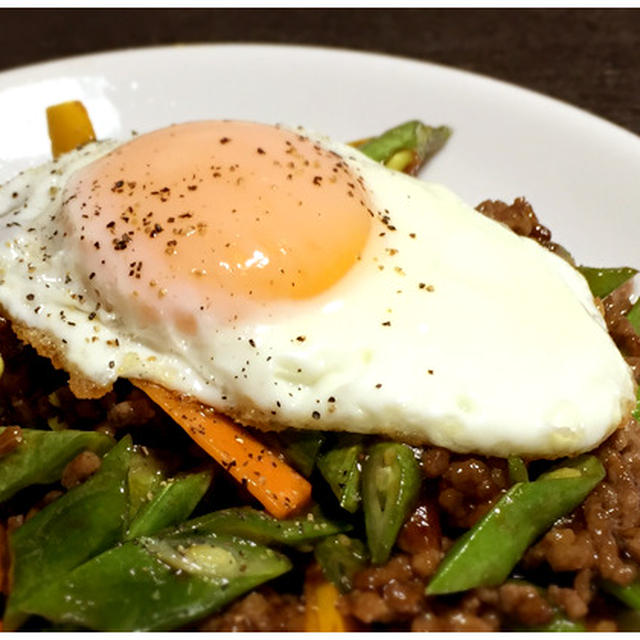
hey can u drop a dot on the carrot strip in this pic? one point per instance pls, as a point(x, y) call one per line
point(69, 126)
point(268, 478)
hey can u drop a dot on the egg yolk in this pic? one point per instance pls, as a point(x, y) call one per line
point(230, 212)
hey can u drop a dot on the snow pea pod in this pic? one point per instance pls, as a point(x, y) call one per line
point(42, 456)
point(259, 526)
point(167, 583)
point(173, 503)
point(79, 525)
point(341, 466)
point(340, 558)
point(390, 485)
point(602, 281)
point(406, 147)
point(486, 553)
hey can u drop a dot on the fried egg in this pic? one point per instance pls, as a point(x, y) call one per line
point(288, 281)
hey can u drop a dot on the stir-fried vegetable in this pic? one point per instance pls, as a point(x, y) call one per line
point(486, 554)
point(84, 522)
point(172, 504)
point(321, 611)
point(405, 147)
point(390, 486)
point(167, 583)
point(69, 127)
point(340, 558)
point(605, 280)
point(269, 478)
point(42, 456)
point(341, 467)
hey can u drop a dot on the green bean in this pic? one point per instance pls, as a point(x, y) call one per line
point(559, 623)
point(486, 554)
point(42, 456)
point(390, 486)
point(172, 504)
point(301, 448)
point(155, 584)
point(340, 558)
point(147, 471)
point(517, 470)
point(406, 147)
point(602, 281)
point(341, 468)
point(77, 526)
point(633, 315)
point(628, 594)
point(260, 527)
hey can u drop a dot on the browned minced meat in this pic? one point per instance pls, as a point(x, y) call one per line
point(10, 439)
point(263, 610)
point(85, 464)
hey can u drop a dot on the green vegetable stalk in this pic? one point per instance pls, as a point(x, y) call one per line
point(43, 455)
point(390, 485)
point(406, 147)
point(173, 503)
point(341, 467)
point(485, 555)
point(167, 583)
point(603, 281)
point(259, 526)
point(79, 525)
point(340, 558)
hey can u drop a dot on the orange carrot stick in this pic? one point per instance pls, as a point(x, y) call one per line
point(69, 126)
point(268, 478)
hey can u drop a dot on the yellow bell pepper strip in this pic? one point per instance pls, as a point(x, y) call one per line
point(69, 127)
point(265, 474)
point(321, 599)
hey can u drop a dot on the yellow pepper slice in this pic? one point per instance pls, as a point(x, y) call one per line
point(69, 126)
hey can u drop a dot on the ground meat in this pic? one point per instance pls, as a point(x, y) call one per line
point(264, 610)
point(80, 468)
point(521, 219)
point(10, 439)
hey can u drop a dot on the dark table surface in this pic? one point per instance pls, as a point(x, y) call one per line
point(588, 57)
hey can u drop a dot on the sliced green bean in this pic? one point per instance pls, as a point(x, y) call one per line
point(517, 470)
point(155, 584)
point(406, 147)
point(77, 526)
point(173, 503)
point(340, 558)
point(301, 448)
point(258, 526)
point(341, 468)
point(146, 473)
point(628, 594)
point(390, 486)
point(42, 456)
point(602, 281)
point(486, 553)
point(633, 315)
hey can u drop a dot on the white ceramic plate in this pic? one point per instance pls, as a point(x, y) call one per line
point(582, 174)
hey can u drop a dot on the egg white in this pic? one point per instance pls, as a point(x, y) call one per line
point(449, 330)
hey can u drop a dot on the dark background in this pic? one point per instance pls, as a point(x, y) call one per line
point(588, 57)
